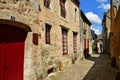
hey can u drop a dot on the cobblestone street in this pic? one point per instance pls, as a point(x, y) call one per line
point(97, 67)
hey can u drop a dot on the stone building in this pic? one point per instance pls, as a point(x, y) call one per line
point(86, 36)
point(115, 34)
point(100, 43)
point(94, 42)
point(38, 37)
point(104, 31)
point(106, 23)
point(94, 37)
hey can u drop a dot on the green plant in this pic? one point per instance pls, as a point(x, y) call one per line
point(94, 47)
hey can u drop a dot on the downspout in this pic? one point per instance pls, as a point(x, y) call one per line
point(81, 37)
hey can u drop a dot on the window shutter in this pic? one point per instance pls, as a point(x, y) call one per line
point(48, 28)
point(47, 3)
point(35, 38)
point(64, 41)
point(63, 10)
point(74, 42)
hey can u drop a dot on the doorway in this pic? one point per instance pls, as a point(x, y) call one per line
point(11, 52)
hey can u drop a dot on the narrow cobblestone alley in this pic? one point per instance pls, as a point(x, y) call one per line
point(97, 67)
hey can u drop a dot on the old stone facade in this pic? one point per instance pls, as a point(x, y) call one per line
point(115, 31)
point(100, 43)
point(86, 35)
point(117, 37)
point(106, 23)
point(39, 20)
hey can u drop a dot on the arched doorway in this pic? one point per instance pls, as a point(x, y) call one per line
point(12, 40)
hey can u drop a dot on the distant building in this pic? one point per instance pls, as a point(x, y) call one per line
point(100, 43)
point(94, 37)
point(86, 37)
point(94, 42)
point(106, 23)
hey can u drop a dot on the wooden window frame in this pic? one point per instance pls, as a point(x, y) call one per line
point(64, 42)
point(47, 33)
point(74, 42)
point(62, 8)
point(75, 13)
point(35, 38)
point(47, 3)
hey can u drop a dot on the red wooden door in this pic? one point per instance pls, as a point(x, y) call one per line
point(88, 44)
point(12, 52)
point(1, 53)
point(84, 43)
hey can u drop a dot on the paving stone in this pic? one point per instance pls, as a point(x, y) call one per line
point(97, 67)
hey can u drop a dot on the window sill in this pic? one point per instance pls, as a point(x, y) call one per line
point(47, 8)
point(64, 19)
point(48, 45)
point(66, 56)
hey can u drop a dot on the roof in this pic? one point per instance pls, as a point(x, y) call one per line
point(100, 36)
point(85, 18)
point(77, 2)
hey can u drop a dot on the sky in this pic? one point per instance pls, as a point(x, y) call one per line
point(94, 10)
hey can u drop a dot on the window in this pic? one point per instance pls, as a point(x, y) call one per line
point(47, 33)
point(64, 41)
point(84, 31)
point(75, 13)
point(62, 7)
point(75, 42)
point(47, 3)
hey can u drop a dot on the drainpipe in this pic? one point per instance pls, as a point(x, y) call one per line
point(81, 40)
point(81, 37)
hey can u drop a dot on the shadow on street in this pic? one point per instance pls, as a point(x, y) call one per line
point(101, 70)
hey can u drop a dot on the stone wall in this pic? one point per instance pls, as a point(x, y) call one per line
point(40, 59)
point(108, 25)
point(52, 16)
point(85, 34)
point(115, 31)
point(117, 39)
